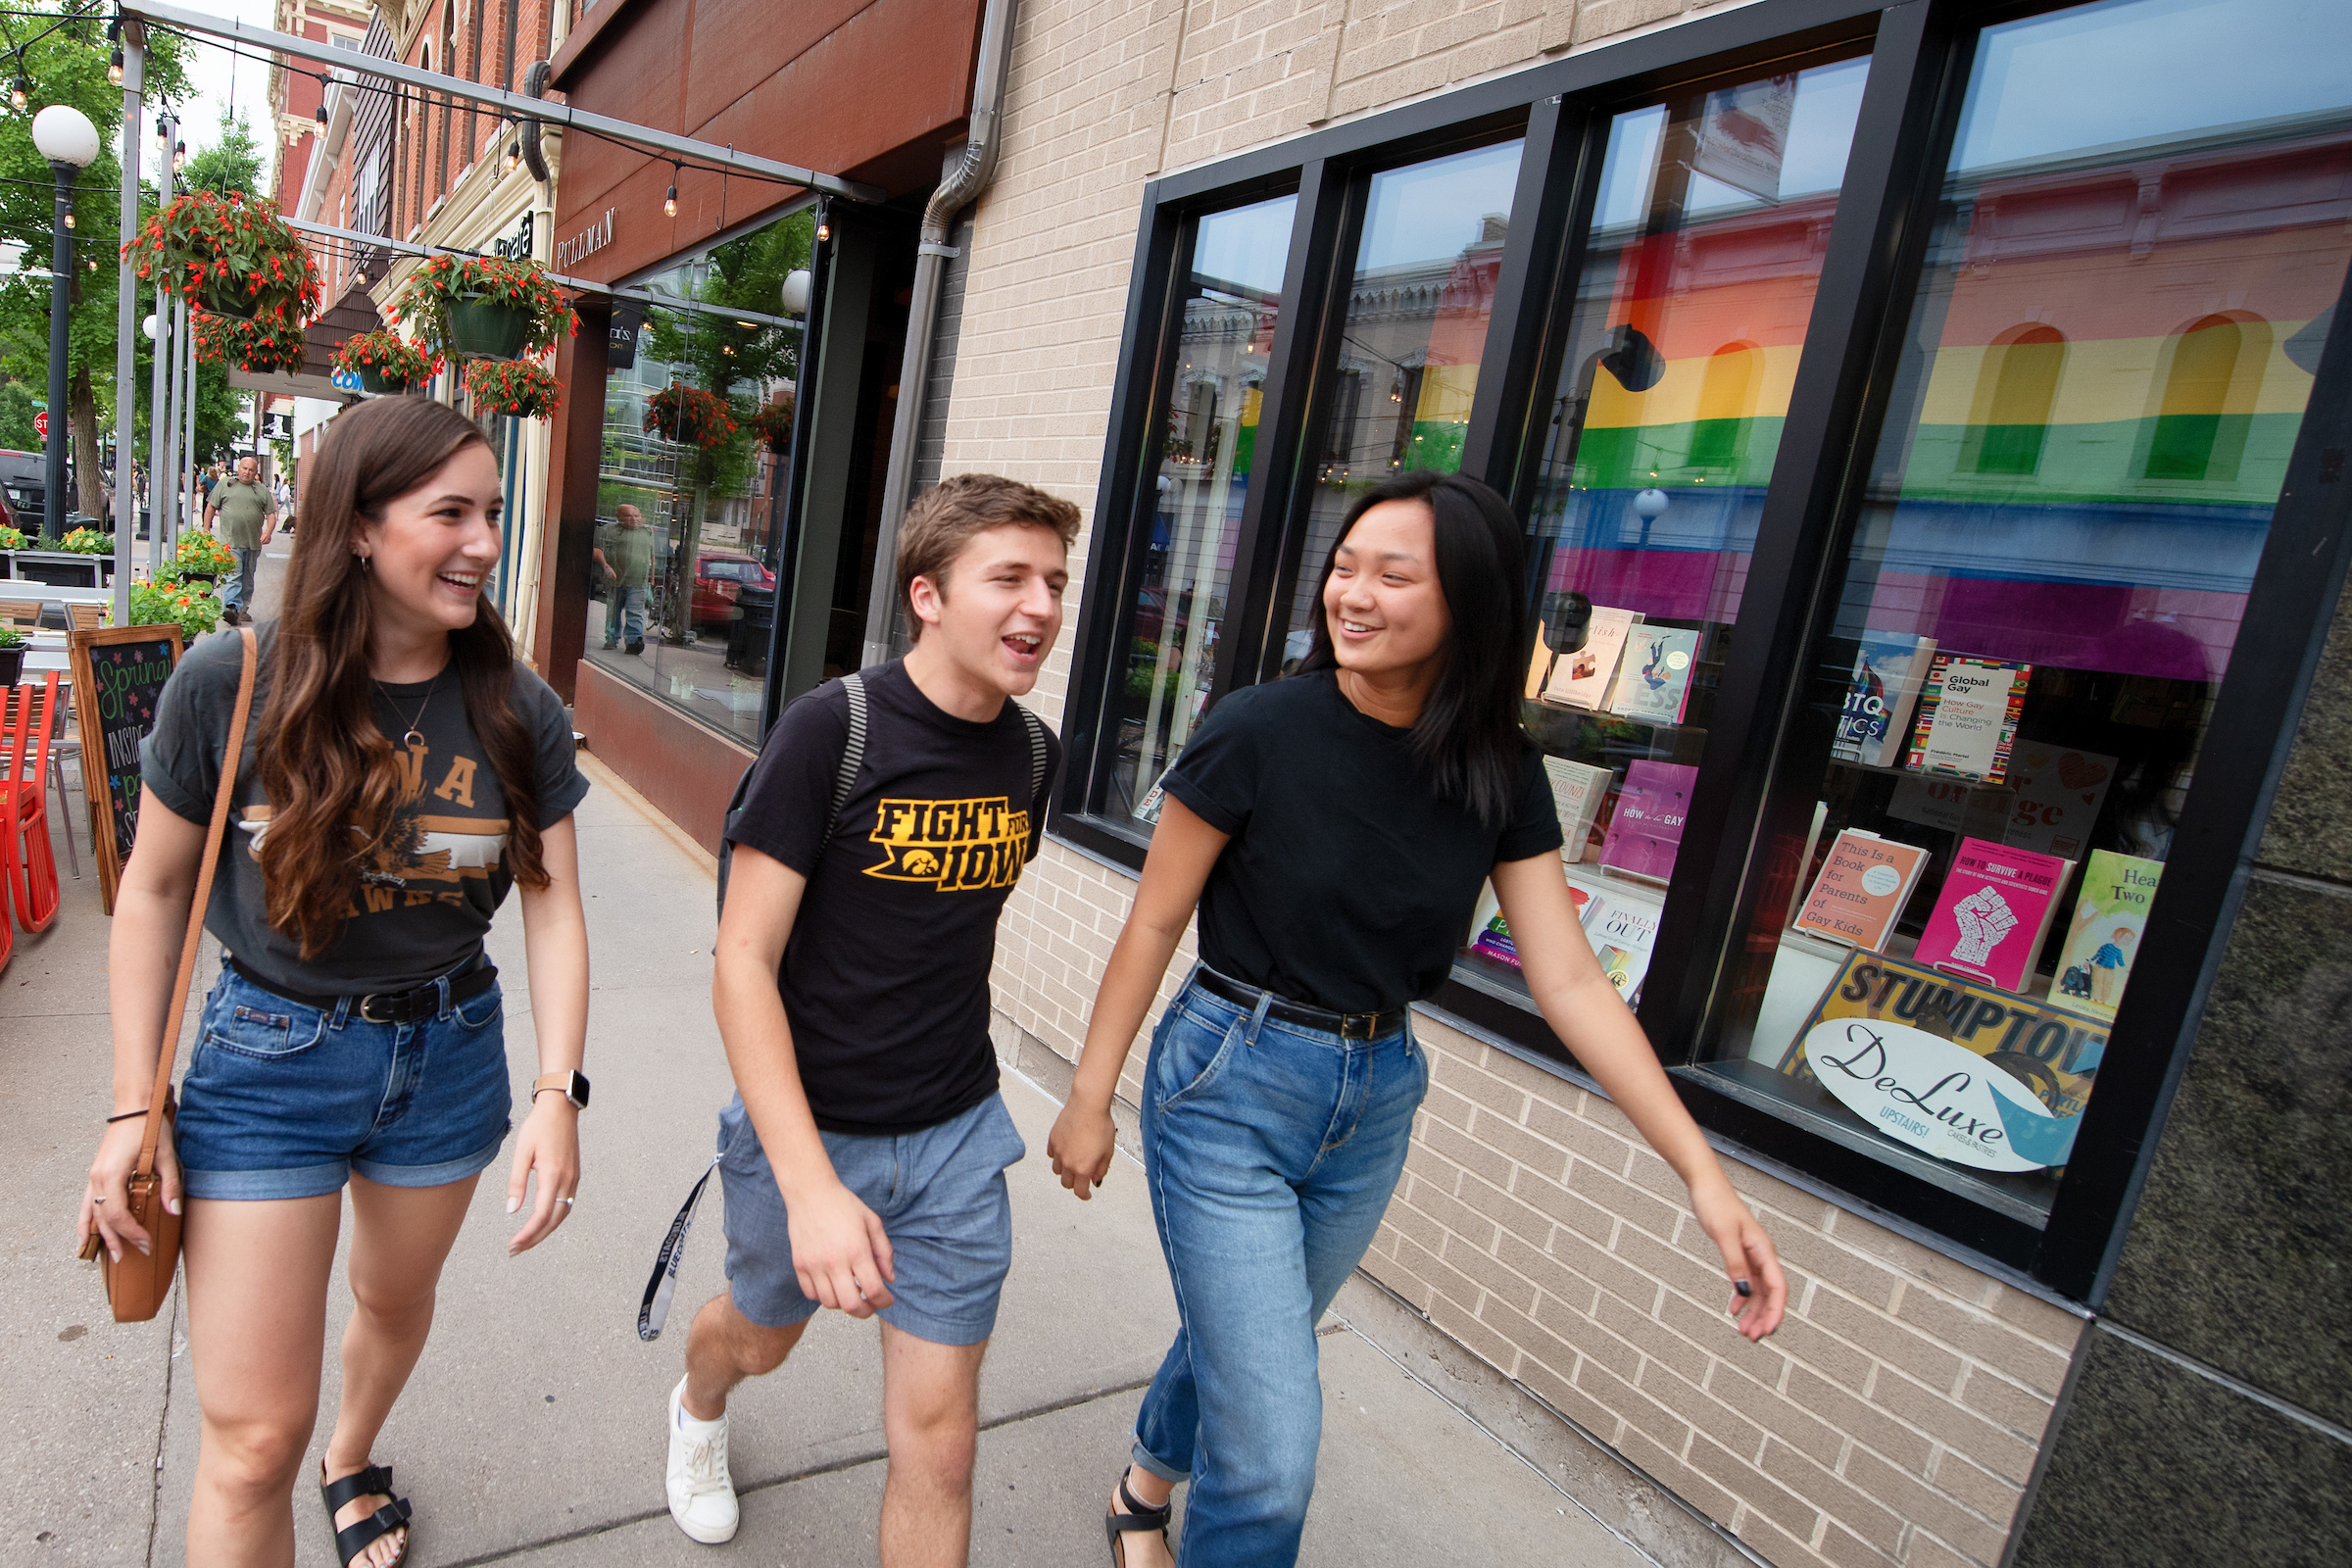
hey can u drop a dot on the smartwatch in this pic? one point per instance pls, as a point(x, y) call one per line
point(574, 1085)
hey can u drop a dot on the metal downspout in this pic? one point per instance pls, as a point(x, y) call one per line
point(956, 189)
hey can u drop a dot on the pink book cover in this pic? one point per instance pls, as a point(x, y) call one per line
point(1993, 911)
point(1647, 828)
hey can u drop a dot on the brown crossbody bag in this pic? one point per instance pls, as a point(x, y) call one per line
point(136, 1286)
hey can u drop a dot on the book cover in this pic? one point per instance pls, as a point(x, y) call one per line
point(1576, 792)
point(1623, 932)
point(1992, 912)
point(2110, 918)
point(1953, 805)
point(1653, 674)
point(1862, 889)
point(1489, 932)
point(1647, 829)
point(1581, 679)
point(2059, 791)
point(1968, 715)
point(1804, 862)
point(1876, 720)
point(1587, 903)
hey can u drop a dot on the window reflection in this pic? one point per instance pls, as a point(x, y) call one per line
point(696, 433)
point(2102, 378)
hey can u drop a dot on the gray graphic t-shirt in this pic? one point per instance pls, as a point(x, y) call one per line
point(430, 888)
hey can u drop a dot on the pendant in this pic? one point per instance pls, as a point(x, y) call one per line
point(411, 742)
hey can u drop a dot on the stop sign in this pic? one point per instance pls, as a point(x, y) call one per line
point(40, 424)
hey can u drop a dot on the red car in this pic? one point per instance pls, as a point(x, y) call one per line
point(719, 575)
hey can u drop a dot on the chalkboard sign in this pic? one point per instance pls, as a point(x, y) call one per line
point(119, 673)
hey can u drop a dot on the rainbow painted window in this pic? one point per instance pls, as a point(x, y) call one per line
point(1683, 330)
point(1205, 450)
point(2144, 226)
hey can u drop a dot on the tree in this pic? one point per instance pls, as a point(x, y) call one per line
point(64, 49)
point(231, 166)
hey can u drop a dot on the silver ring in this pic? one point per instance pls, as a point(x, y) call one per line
point(567, 1202)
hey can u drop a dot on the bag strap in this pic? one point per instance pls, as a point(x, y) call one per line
point(1037, 770)
point(852, 757)
point(223, 796)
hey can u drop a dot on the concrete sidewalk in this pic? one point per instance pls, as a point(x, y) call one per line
point(532, 1432)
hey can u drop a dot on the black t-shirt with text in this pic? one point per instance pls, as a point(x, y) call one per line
point(885, 975)
point(1349, 883)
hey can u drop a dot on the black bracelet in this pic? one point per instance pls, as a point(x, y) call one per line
point(126, 1116)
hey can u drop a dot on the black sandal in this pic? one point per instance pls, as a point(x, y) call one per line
point(1138, 1519)
point(354, 1538)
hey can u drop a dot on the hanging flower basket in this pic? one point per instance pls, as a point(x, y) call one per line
point(773, 421)
point(252, 346)
point(523, 388)
point(231, 257)
point(385, 362)
point(484, 307)
point(690, 416)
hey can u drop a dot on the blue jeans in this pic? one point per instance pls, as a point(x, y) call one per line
point(237, 590)
point(1271, 1152)
point(625, 610)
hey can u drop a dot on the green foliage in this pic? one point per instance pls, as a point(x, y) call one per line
point(198, 551)
point(17, 432)
point(231, 255)
point(518, 284)
point(88, 542)
point(231, 164)
point(522, 387)
point(10, 637)
point(388, 354)
point(11, 538)
point(169, 602)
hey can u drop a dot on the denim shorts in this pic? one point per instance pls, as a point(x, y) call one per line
point(286, 1101)
point(940, 1195)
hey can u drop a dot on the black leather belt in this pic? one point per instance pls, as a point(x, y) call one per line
point(1347, 1025)
point(389, 1006)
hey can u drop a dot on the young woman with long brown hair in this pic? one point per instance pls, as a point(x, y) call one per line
point(401, 773)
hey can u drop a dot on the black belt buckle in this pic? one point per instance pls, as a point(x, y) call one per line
point(1358, 1025)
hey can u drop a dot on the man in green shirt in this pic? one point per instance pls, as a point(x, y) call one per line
point(624, 550)
point(243, 513)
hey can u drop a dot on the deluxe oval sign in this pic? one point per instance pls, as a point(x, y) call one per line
point(1941, 1098)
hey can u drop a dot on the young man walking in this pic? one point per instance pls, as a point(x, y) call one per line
point(864, 1157)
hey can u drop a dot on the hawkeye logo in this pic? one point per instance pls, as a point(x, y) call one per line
point(955, 846)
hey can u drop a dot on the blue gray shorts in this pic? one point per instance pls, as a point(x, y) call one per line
point(286, 1101)
point(940, 1195)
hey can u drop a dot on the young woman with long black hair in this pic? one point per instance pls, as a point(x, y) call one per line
point(356, 1035)
point(1334, 830)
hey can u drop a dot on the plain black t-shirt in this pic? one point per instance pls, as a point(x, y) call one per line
point(885, 977)
point(1348, 884)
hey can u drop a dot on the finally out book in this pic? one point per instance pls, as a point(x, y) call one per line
point(1992, 912)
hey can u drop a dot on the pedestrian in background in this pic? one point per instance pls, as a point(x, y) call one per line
point(243, 515)
point(624, 552)
point(1334, 829)
point(356, 1035)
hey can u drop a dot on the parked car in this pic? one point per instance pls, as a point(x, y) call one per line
point(718, 576)
point(24, 488)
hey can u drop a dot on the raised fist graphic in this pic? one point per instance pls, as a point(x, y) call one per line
point(1984, 918)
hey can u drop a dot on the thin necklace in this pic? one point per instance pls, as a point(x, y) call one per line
point(414, 740)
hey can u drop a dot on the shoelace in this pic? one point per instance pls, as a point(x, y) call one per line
point(707, 1463)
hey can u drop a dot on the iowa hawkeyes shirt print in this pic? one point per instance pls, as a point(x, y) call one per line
point(428, 886)
point(885, 977)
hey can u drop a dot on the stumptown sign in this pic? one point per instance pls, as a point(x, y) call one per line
point(586, 243)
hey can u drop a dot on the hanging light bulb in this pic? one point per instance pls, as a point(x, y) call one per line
point(180, 156)
point(669, 203)
point(320, 117)
point(824, 232)
point(513, 156)
point(68, 218)
point(93, 264)
point(114, 69)
point(20, 93)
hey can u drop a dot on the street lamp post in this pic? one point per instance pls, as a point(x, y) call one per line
point(66, 137)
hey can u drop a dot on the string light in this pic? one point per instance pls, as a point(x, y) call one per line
point(114, 69)
point(180, 156)
point(20, 93)
point(320, 117)
point(68, 218)
point(824, 232)
point(513, 156)
point(669, 203)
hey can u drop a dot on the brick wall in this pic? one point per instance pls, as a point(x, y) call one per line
point(1896, 1417)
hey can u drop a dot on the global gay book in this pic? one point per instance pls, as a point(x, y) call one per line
point(1862, 889)
point(1646, 832)
point(1992, 912)
point(1967, 715)
point(2102, 939)
point(1583, 679)
point(1875, 722)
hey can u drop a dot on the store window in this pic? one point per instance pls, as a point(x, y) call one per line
point(1203, 459)
point(1684, 329)
point(697, 427)
point(2140, 240)
point(1410, 337)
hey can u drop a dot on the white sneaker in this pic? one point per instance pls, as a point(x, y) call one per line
point(702, 1493)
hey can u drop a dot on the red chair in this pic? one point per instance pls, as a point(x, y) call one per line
point(31, 865)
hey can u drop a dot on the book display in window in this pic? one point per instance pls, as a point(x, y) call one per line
point(1489, 932)
point(1623, 930)
point(1875, 723)
point(2058, 793)
point(2110, 918)
point(1653, 674)
point(1968, 716)
point(1646, 831)
point(1582, 678)
point(1578, 791)
point(1992, 912)
point(1862, 889)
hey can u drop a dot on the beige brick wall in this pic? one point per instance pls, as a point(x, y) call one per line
point(1894, 1418)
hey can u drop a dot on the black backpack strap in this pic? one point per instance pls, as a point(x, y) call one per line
point(1038, 758)
point(852, 757)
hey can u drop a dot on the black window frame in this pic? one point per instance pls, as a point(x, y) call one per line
point(1920, 53)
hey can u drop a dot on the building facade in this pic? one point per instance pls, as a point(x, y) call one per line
point(1927, 423)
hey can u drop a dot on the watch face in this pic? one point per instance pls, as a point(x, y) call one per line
point(578, 1092)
